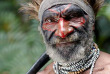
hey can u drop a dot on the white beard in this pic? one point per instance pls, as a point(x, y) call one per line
point(76, 56)
point(78, 52)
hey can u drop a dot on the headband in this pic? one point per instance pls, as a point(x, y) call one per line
point(46, 4)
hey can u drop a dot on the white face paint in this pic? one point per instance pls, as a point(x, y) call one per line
point(61, 25)
point(71, 37)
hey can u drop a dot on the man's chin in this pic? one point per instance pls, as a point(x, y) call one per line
point(66, 52)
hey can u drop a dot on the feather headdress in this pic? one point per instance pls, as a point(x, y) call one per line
point(96, 4)
point(32, 8)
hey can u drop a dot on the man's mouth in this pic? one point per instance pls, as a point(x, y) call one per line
point(66, 43)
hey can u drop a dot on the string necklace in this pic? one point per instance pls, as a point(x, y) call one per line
point(80, 66)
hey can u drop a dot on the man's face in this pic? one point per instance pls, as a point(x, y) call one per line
point(65, 28)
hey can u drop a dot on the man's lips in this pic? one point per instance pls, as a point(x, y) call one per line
point(65, 43)
point(62, 43)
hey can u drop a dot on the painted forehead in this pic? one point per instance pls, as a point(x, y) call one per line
point(64, 9)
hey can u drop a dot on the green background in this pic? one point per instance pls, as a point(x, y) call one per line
point(21, 44)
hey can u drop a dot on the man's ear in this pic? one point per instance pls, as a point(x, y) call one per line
point(96, 4)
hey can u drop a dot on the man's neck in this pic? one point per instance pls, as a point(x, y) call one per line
point(80, 66)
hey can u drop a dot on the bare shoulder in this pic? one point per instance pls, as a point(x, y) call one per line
point(105, 56)
point(103, 60)
point(102, 65)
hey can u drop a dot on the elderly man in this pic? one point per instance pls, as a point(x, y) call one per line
point(67, 29)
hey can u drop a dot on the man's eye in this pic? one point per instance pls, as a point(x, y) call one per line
point(75, 15)
point(48, 20)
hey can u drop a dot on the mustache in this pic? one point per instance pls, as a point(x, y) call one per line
point(76, 36)
point(57, 40)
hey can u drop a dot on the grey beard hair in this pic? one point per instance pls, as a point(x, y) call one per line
point(72, 53)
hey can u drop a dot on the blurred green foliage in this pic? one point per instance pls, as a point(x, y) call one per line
point(102, 27)
point(21, 43)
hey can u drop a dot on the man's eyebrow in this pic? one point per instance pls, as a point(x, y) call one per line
point(54, 11)
point(50, 17)
point(73, 11)
point(50, 14)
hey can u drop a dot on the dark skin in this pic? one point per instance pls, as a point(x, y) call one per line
point(63, 20)
point(64, 28)
point(102, 66)
point(58, 24)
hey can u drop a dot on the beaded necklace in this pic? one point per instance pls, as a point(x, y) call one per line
point(80, 66)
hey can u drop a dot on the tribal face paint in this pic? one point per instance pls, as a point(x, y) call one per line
point(62, 20)
point(65, 28)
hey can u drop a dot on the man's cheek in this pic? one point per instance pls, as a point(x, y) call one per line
point(49, 26)
point(49, 35)
point(77, 22)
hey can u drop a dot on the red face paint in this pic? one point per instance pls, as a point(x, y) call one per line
point(77, 22)
point(66, 8)
point(49, 26)
point(63, 27)
point(55, 11)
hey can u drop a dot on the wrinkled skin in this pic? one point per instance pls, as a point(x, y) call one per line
point(67, 33)
point(68, 37)
point(102, 66)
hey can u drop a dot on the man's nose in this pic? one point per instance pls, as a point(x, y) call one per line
point(63, 28)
